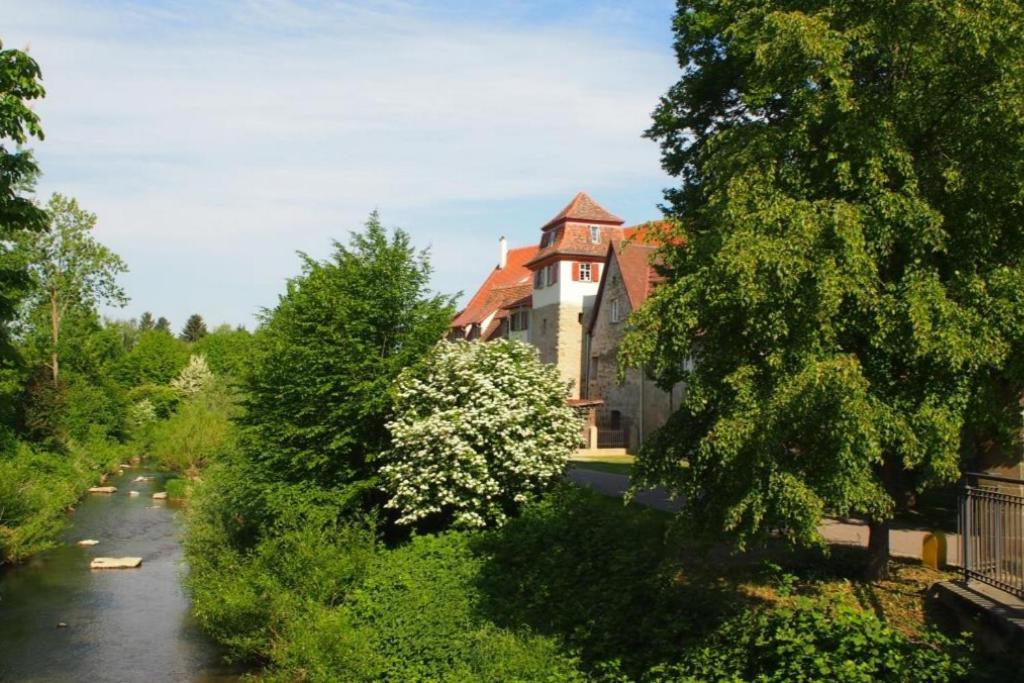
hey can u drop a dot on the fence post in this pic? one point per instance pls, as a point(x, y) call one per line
point(965, 533)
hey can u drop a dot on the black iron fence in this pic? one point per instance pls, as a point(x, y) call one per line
point(991, 525)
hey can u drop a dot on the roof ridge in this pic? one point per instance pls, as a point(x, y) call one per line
point(583, 207)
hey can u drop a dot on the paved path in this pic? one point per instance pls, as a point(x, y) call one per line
point(903, 542)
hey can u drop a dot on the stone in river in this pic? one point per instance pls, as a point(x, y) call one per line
point(102, 489)
point(61, 624)
point(141, 478)
point(160, 495)
point(88, 541)
point(115, 563)
point(133, 493)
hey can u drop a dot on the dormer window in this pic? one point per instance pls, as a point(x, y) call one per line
point(595, 234)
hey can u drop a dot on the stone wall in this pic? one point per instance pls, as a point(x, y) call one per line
point(641, 405)
point(557, 333)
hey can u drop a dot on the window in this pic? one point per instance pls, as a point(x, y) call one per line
point(595, 234)
point(552, 277)
point(519, 321)
point(538, 279)
point(586, 272)
point(613, 310)
point(593, 367)
point(543, 325)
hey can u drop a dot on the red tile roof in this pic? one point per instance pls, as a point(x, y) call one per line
point(637, 268)
point(637, 263)
point(583, 208)
point(502, 286)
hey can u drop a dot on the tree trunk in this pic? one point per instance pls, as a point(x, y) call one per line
point(54, 333)
point(878, 552)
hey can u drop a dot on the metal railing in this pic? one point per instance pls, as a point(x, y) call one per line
point(991, 525)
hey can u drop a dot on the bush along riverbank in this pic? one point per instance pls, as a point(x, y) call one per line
point(575, 588)
point(38, 487)
point(389, 512)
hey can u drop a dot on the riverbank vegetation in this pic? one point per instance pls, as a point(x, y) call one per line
point(309, 559)
point(81, 395)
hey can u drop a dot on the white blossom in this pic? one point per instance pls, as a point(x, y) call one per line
point(193, 377)
point(478, 428)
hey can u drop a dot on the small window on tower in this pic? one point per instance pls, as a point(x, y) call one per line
point(595, 234)
point(613, 312)
point(586, 272)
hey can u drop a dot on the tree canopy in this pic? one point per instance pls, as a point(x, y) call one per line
point(70, 268)
point(324, 360)
point(195, 328)
point(845, 289)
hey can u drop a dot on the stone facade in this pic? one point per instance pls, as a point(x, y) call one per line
point(556, 332)
point(631, 409)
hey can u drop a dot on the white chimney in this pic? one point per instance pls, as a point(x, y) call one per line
point(502, 252)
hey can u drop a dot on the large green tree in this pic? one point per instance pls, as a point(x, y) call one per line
point(845, 288)
point(71, 268)
point(19, 85)
point(195, 328)
point(325, 358)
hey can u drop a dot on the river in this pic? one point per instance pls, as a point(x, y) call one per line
point(122, 625)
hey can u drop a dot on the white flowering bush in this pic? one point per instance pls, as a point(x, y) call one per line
point(193, 377)
point(478, 427)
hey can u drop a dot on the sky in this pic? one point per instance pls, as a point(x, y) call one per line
point(216, 139)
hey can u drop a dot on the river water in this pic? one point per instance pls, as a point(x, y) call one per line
point(122, 625)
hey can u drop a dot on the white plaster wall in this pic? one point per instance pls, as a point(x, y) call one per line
point(566, 290)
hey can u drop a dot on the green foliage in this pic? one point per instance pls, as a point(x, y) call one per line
point(261, 553)
point(162, 397)
point(163, 325)
point(176, 488)
point(317, 397)
point(156, 359)
point(227, 350)
point(486, 424)
point(197, 432)
point(845, 283)
point(19, 216)
point(817, 640)
point(70, 269)
point(195, 328)
point(416, 612)
point(37, 487)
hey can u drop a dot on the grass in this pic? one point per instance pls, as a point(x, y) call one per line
point(613, 467)
point(616, 464)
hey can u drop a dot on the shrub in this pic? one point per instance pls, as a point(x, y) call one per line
point(176, 488)
point(415, 617)
point(817, 640)
point(199, 430)
point(478, 428)
point(262, 555)
point(37, 487)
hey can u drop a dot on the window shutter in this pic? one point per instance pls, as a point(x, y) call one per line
point(595, 272)
point(575, 271)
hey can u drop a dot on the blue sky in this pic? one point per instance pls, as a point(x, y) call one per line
point(216, 139)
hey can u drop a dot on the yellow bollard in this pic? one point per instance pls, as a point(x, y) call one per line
point(933, 550)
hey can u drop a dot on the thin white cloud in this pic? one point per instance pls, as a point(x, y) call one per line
point(220, 125)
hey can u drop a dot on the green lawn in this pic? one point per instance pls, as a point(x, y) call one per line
point(599, 466)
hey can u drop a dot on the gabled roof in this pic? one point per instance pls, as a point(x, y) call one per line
point(583, 208)
point(503, 285)
point(636, 262)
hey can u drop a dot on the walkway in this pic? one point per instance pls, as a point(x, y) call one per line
point(903, 542)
